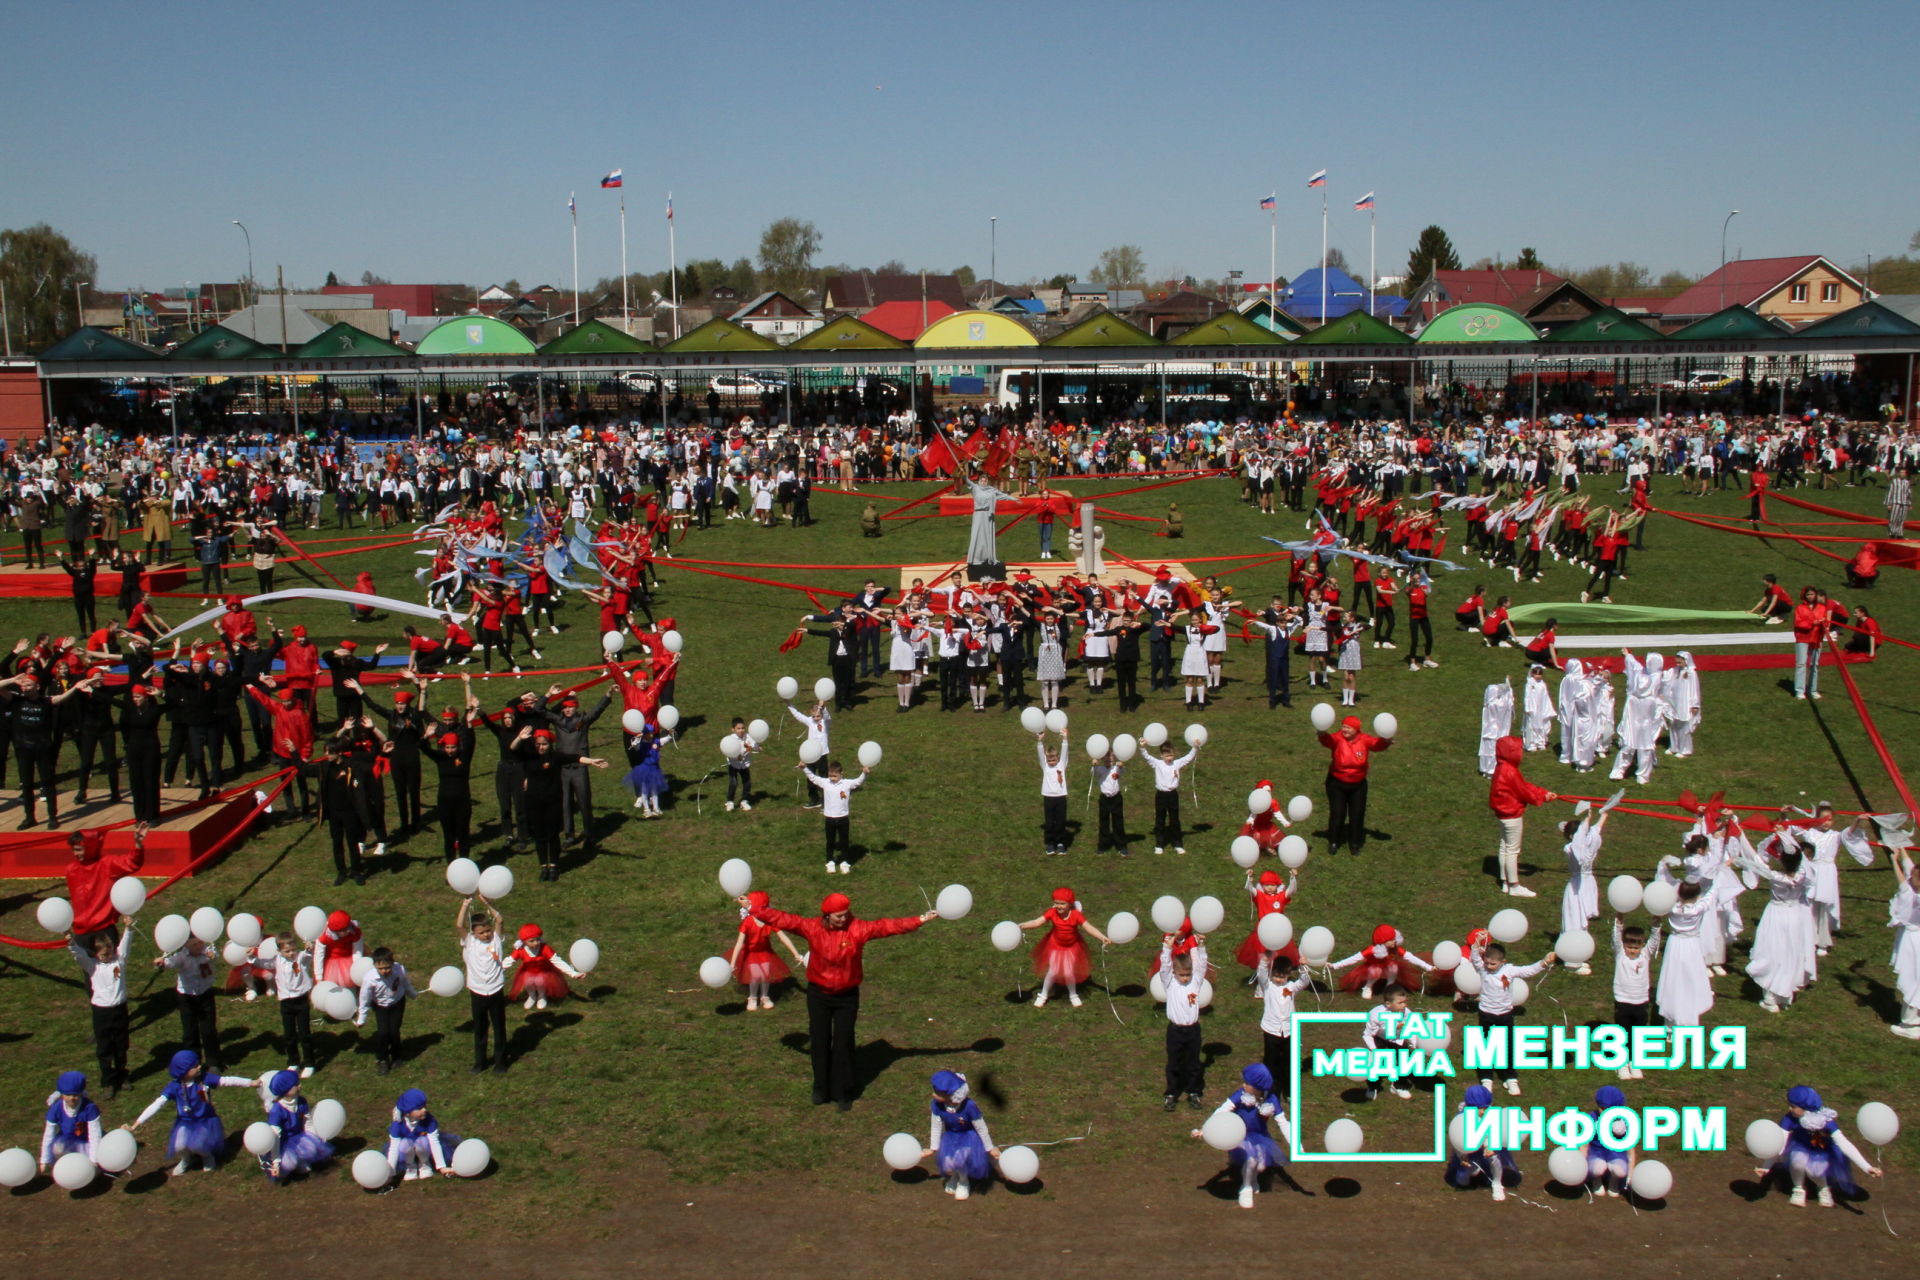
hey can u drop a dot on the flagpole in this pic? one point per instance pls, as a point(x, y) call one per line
point(673, 267)
point(1372, 276)
point(626, 311)
point(573, 212)
point(1273, 258)
point(1323, 254)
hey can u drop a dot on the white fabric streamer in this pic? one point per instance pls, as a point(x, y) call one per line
point(356, 598)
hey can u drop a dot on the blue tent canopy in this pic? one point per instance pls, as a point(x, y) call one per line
point(1344, 296)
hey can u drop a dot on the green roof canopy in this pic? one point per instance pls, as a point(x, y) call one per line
point(217, 343)
point(848, 333)
point(1608, 324)
point(1356, 327)
point(344, 342)
point(1229, 329)
point(1869, 319)
point(1263, 313)
point(1734, 323)
point(1103, 329)
point(1478, 322)
point(475, 336)
point(91, 343)
point(594, 338)
point(722, 335)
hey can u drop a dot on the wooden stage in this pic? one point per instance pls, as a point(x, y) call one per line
point(184, 834)
point(52, 583)
point(1046, 572)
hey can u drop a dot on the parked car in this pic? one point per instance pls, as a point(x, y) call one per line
point(638, 384)
point(1700, 380)
point(745, 384)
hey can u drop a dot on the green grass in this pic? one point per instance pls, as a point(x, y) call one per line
point(658, 1063)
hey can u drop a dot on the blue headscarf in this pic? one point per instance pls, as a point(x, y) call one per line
point(283, 1082)
point(181, 1063)
point(1804, 1097)
point(411, 1100)
point(1479, 1096)
point(945, 1082)
point(71, 1082)
point(1257, 1075)
point(1608, 1095)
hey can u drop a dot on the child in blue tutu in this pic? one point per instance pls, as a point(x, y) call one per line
point(73, 1120)
point(1816, 1150)
point(647, 779)
point(197, 1130)
point(1254, 1102)
point(296, 1147)
point(416, 1145)
point(958, 1136)
point(1608, 1170)
point(1489, 1165)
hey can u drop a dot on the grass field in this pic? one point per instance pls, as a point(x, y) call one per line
point(657, 1068)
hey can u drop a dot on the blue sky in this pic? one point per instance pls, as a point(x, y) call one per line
point(439, 141)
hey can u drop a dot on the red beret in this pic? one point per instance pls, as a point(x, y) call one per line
point(1351, 722)
point(405, 695)
point(349, 644)
point(299, 632)
point(528, 932)
point(834, 902)
point(338, 921)
point(1269, 876)
point(1063, 894)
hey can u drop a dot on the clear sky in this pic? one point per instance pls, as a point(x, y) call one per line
point(438, 142)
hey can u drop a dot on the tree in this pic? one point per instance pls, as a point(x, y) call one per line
point(891, 267)
point(1913, 245)
point(332, 280)
point(1336, 260)
point(965, 276)
point(1528, 260)
point(1432, 252)
point(1060, 281)
point(40, 268)
point(512, 285)
point(367, 277)
point(1124, 264)
point(742, 276)
point(1674, 283)
point(786, 253)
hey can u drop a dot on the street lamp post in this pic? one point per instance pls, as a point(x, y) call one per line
point(79, 311)
point(249, 236)
point(993, 250)
point(1723, 258)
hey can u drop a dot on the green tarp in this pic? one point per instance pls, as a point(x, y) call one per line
point(1229, 330)
point(594, 338)
point(848, 333)
point(1868, 320)
point(218, 343)
point(722, 335)
point(1734, 323)
point(475, 336)
point(97, 344)
point(344, 342)
point(1103, 329)
point(1608, 324)
point(1479, 322)
point(1359, 328)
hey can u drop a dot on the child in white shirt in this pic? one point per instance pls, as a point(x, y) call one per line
point(104, 968)
point(1633, 955)
point(1496, 997)
point(293, 984)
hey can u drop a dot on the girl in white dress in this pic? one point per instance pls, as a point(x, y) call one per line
point(1640, 726)
point(1050, 665)
point(1193, 659)
point(1216, 641)
point(1314, 638)
point(902, 659)
point(1096, 648)
point(1824, 845)
point(1904, 919)
point(1580, 902)
point(1783, 961)
point(1540, 714)
point(1573, 708)
point(1347, 645)
point(1685, 992)
point(1680, 703)
point(1596, 730)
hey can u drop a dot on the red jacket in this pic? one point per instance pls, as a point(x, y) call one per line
point(90, 887)
point(301, 660)
point(1350, 754)
point(1809, 623)
point(1511, 794)
point(833, 955)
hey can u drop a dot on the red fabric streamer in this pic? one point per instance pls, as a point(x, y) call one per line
point(1773, 495)
point(1873, 736)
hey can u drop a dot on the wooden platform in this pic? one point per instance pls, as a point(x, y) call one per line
point(52, 582)
point(1047, 572)
point(189, 830)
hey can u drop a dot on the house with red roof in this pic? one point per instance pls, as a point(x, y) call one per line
point(1799, 291)
point(1503, 286)
point(907, 320)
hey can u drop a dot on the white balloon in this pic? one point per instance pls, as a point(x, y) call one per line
point(170, 933)
point(245, 930)
point(1019, 1164)
point(824, 689)
point(1765, 1139)
point(1658, 898)
point(1207, 914)
point(869, 754)
point(1245, 851)
point(1446, 955)
point(1574, 947)
point(1343, 1137)
point(1568, 1166)
point(317, 997)
point(362, 966)
point(1650, 1180)
point(901, 1151)
point(673, 642)
point(1878, 1123)
point(447, 981)
point(496, 883)
point(1125, 747)
point(309, 923)
point(633, 720)
point(1123, 928)
point(1033, 719)
point(736, 877)
point(1168, 911)
point(471, 1158)
point(613, 642)
point(207, 924)
point(1293, 852)
point(1223, 1131)
point(1518, 991)
point(1206, 993)
point(371, 1170)
point(730, 746)
point(1154, 734)
point(342, 1004)
point(1457, 1133)
point(954, 902)
point(1157, 988)
point(73, 1171)
point(715, 972)
point(810, 752)
point(1434, 1044)
point(17, 1167)
point(1098, 746)
point(1056, 720)
point(328, 1119)
point(1259, 800)
point(1299, 809)
point(116, 1151)
point(1316, 944)
point(1006, 936)
point(669, 717)
point(1466, 979)
point(1385, 726)
point(585, 955)
point(258, 1138)
point(1623, 894)
point(759, 730)
point(1195, 734)
point(1322, 716)
point(1508, 925)
point(1275, 930)
point(55, 915)
point(235, 954)
point(463, 876)
point(129, 894)
point(786, 688)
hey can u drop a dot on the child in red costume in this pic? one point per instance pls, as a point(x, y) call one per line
point(340, 945)
point(1269, 897)
point(753, 959)
point(537, 969)
point(1266, 826)
point(1061, 955)
point(1385, 963)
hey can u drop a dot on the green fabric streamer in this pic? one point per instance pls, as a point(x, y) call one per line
point(1573, 613)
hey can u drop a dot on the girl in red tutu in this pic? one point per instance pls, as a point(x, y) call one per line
point(1384, 963)
point(256, 975)
point(538, 969)
point(1440, 981)
point(339, 945)
point(754, 961)
point(1269, 896)
point(1061, 955)
point(1269, 826)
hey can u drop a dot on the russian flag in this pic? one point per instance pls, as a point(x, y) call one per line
point(669, 206)
point(614, 179)
point(1364, 202)
point(1318, 180)
point(1266, 202)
